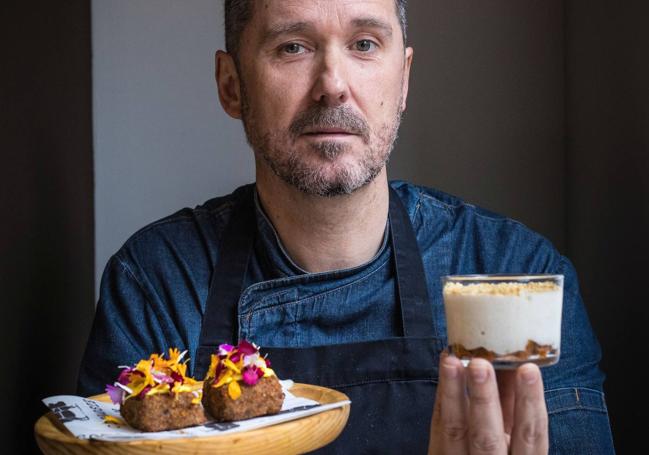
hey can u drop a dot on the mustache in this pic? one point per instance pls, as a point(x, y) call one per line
point(318, 116)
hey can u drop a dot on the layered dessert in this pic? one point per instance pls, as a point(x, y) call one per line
point(240, 384)
point(156, 394)
point(506, 320)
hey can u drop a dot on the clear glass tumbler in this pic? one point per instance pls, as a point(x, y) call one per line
point(506, 319)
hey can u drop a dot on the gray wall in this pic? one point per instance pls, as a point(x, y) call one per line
point(485, 118)
point(161, 140)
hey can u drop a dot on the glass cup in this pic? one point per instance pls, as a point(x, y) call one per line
point(506, 319)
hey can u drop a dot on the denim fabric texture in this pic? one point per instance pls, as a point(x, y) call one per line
point(154, 289)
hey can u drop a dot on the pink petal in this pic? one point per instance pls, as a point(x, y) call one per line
point(163, 378)
point(224, 349)
point(144, 391)
point(235, 357)
point(219, 367)
point(115, 393)
point(250, 376)
point(124, 376)
point(246, 348)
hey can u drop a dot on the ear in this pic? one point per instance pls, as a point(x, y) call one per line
point(228, 83)
point(406, 75)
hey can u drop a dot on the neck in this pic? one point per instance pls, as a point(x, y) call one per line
point(320, 233)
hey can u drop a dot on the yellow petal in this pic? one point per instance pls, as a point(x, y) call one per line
point(225, 378)
point(114, 420)
point(228, 363)
point(174, 353)
point(161, 388)
point(234, 390)
point(137, 387)
point(212, 370)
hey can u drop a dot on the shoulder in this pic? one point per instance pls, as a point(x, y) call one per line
point(189, 234)
point(477, 240)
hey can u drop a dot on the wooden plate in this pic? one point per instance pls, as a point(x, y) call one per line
point(293, 437)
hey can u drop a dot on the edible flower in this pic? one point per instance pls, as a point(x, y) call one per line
point(234, 365)
point(114, 420)
point(152, 376)
point(115, 394)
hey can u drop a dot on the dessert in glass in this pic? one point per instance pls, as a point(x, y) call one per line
point(506, 319)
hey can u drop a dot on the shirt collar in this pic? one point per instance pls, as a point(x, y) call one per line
point(275, 254)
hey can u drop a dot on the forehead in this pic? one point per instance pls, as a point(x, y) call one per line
point(324, 13)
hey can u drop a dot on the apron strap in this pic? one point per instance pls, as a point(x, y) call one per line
point(220, 318)
point(412, 289)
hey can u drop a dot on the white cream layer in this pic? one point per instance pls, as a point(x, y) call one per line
point(504, 323)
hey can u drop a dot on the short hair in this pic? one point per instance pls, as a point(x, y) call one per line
point(239, 12)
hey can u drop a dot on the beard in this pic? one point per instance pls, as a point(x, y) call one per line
point(328, 175)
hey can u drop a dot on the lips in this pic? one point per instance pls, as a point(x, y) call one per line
point(328, 131)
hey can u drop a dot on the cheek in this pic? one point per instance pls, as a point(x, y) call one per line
point(378, 95)
point(274, 100)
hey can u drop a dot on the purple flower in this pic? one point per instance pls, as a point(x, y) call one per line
point(115, 393)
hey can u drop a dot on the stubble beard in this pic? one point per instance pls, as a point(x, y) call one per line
point(278, 149)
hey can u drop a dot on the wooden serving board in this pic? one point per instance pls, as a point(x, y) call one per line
point(293, 437)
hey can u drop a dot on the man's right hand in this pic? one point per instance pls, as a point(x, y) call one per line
point(471, 416)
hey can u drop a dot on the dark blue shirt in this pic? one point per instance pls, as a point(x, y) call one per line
point(154, 289)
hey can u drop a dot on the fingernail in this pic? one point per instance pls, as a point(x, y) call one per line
point(530, 376)
point(478, 374)
point(449, 370)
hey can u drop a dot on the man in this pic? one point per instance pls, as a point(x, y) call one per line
point(334, 271)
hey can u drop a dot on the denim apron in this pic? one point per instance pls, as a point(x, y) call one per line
point(390, 382)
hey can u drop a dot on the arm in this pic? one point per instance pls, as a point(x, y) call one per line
point(125, 329)
point(574, 395)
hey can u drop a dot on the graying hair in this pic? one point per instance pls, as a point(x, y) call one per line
point(239, 12)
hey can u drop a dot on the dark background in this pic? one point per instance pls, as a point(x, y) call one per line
point(540, 110)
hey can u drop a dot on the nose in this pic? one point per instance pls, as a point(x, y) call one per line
point(331, 86)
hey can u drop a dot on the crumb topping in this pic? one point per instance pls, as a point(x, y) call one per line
point(500, 289)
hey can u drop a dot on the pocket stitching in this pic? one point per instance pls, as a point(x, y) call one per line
point(577, 404)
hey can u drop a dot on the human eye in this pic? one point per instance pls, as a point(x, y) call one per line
point(292, 49)
point(365, 45)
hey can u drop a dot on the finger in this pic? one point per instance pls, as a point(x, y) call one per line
point(530, 433)
point(486, 434)
point(449, 427)
point(506, 391)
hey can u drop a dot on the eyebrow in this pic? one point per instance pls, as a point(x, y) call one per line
point(372, 22)
point(274, 31)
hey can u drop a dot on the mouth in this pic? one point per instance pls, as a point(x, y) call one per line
point(329, 133)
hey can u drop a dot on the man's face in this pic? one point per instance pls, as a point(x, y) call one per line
point(323, 86)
